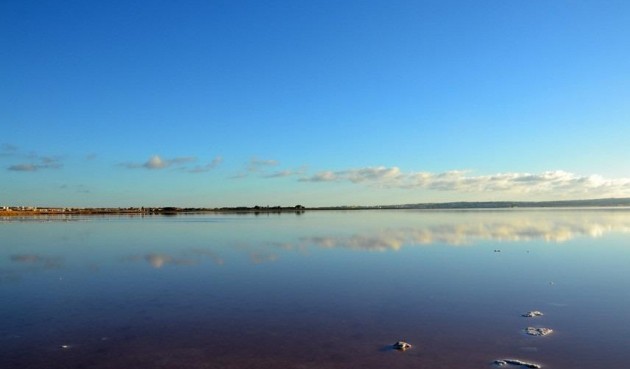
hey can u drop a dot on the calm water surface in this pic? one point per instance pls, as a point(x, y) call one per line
point(316, 290)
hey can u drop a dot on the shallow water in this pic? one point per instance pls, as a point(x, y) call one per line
point(316, 290)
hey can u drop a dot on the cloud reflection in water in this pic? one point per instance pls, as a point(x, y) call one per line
point(393, 231)
point(35, 260)
point(159, 260)
point(528, 227)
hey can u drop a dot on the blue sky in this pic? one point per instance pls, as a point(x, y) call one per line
point(226, 103)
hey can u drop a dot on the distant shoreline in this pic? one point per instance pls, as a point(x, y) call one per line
point(591, 203)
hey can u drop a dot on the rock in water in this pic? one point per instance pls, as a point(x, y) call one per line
point(517, 363)
point(532, 314)
point(533, 331)
point(402, 346)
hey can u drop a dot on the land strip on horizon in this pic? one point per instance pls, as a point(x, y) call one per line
point(590, 203)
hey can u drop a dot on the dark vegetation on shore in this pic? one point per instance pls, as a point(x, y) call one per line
point(26, 211)
point(169, 210)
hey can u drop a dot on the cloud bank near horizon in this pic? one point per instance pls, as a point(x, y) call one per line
point(558, 181)
point(554, 183)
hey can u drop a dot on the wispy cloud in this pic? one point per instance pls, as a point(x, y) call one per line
point(28, 161)
point(374, 175)
point(23, 167)
point(257, 166)
point(38, 163)
point(157, 162)
point(206, 168)
point(77, 188)
point(8, 149)
point(286, 173)
point(463, 181)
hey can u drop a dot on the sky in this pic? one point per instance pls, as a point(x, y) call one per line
point(318, 103)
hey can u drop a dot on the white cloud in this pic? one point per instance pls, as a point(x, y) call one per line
point(379, 176)
point(157, 162)
point(374, 174)
point(462, 181)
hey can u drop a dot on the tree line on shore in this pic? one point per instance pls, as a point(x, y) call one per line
point(28, 210)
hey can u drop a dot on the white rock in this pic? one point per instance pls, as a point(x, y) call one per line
point(532, 314)
point(516, 362)
point(533, 331)
point(402, 346)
